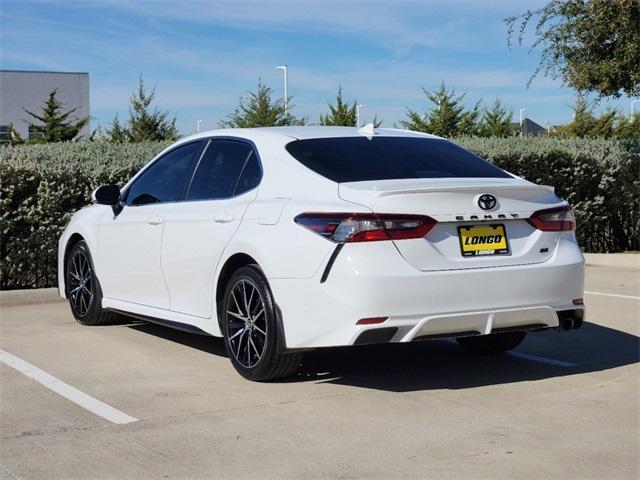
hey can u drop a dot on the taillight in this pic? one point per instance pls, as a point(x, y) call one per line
point(366, 227)
point(557, 219)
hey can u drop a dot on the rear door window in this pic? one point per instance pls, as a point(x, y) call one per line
point(219, 170)
point(355, 159)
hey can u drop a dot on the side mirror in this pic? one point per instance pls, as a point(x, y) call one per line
point(107, 195)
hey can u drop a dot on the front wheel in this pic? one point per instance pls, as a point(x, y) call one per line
point(254, 342)
point(83, 288)
point(492, 344)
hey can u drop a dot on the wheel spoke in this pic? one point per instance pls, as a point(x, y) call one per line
point(239, 332)
point(258, 329)
point(235, 300)
point(240, 317)
point(240, 344)
point(254, 347)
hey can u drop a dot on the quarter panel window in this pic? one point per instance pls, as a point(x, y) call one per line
point(165, 180)
point(219, 170)
point(251, 175)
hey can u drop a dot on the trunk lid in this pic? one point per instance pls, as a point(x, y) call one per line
point(453, 202)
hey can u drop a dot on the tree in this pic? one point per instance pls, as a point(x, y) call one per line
point(585, 124)
point(341, 113)
point(11, 136)
point(260, 110)
point(593, 46)
point(143, 124)
point(448, 118)
point(53, 124)
point(627, 127)
point(496, 121)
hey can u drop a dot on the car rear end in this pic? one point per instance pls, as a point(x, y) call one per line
point(439, 244)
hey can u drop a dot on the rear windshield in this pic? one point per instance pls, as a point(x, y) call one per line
point(357, 159)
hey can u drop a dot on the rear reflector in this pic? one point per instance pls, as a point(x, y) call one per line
point(371, 320)
point(366, 227)
point(560, 219)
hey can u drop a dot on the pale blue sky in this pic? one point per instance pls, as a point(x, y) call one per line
point(203, 55)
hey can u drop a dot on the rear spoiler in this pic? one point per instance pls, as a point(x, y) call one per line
point(388, 190)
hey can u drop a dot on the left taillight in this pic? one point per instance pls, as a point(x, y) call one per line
point(559, 219)
point(366, 227)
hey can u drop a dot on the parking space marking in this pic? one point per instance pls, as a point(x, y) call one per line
point(616, 295)
point(537, 358)
point(67, 391)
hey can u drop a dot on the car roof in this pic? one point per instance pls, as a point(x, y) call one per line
point(304, 133)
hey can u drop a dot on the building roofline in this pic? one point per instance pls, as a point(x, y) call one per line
point(42, 71)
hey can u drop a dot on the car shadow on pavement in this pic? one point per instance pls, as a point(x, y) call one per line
point(441, 364)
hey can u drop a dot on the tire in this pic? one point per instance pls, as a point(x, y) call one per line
point(252, 337)
point(492, 344)
point(83, 289)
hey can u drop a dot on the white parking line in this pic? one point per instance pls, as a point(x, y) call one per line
point(67, 391)
point(537, 358)
point(617, 295)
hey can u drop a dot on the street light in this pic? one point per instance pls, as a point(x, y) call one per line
point(286, 81)
point(632, 104)
point(198, 126)
point(522, 117)
point(358, 107)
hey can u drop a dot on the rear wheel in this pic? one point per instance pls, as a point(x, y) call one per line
point(252, 338)
point(492, 344)
point(83, 289)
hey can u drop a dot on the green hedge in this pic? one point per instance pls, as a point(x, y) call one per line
point(42, 185)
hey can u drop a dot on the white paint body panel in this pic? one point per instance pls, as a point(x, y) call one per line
point(170, 269)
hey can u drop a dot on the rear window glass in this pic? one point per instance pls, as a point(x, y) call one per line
point(356, 159)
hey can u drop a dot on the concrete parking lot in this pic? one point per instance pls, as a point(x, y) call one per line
point(565, 405)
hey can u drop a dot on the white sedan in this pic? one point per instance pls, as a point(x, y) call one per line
point(286, 239)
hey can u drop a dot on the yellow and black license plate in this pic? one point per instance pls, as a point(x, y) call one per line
point(483, 240)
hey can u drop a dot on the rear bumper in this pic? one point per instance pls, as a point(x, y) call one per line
point(372, 280)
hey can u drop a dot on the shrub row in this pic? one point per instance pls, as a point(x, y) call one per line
point(42, 185)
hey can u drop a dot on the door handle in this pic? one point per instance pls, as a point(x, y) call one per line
point(155, 220)
point(223, 218)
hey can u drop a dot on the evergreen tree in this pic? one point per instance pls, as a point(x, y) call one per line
point(376, 122)
point(341, 113)
point(585, 124)
point(54, 124)
point(12, 136)
point(260, 110)
point(627, 127)
point(447, 119)
point(144, 124)
point(496, 121)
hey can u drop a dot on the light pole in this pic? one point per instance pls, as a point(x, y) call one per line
point(286, 95)
point(358, 107)
point(198, 125)
point(632, 105)
point(522, 117)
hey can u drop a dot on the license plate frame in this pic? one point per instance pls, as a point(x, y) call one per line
point(469, 250)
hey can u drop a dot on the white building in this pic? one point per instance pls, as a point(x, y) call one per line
point(21, 90)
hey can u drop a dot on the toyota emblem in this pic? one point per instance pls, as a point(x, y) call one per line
point(487, 201)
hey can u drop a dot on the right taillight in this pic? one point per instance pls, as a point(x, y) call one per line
point(559, 219)
point(366, 227)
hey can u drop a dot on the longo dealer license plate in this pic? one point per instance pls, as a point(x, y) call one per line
point(483, 240)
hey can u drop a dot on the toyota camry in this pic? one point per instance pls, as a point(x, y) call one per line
point(282, 240)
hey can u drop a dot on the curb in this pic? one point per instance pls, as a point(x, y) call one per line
point(15, 298)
